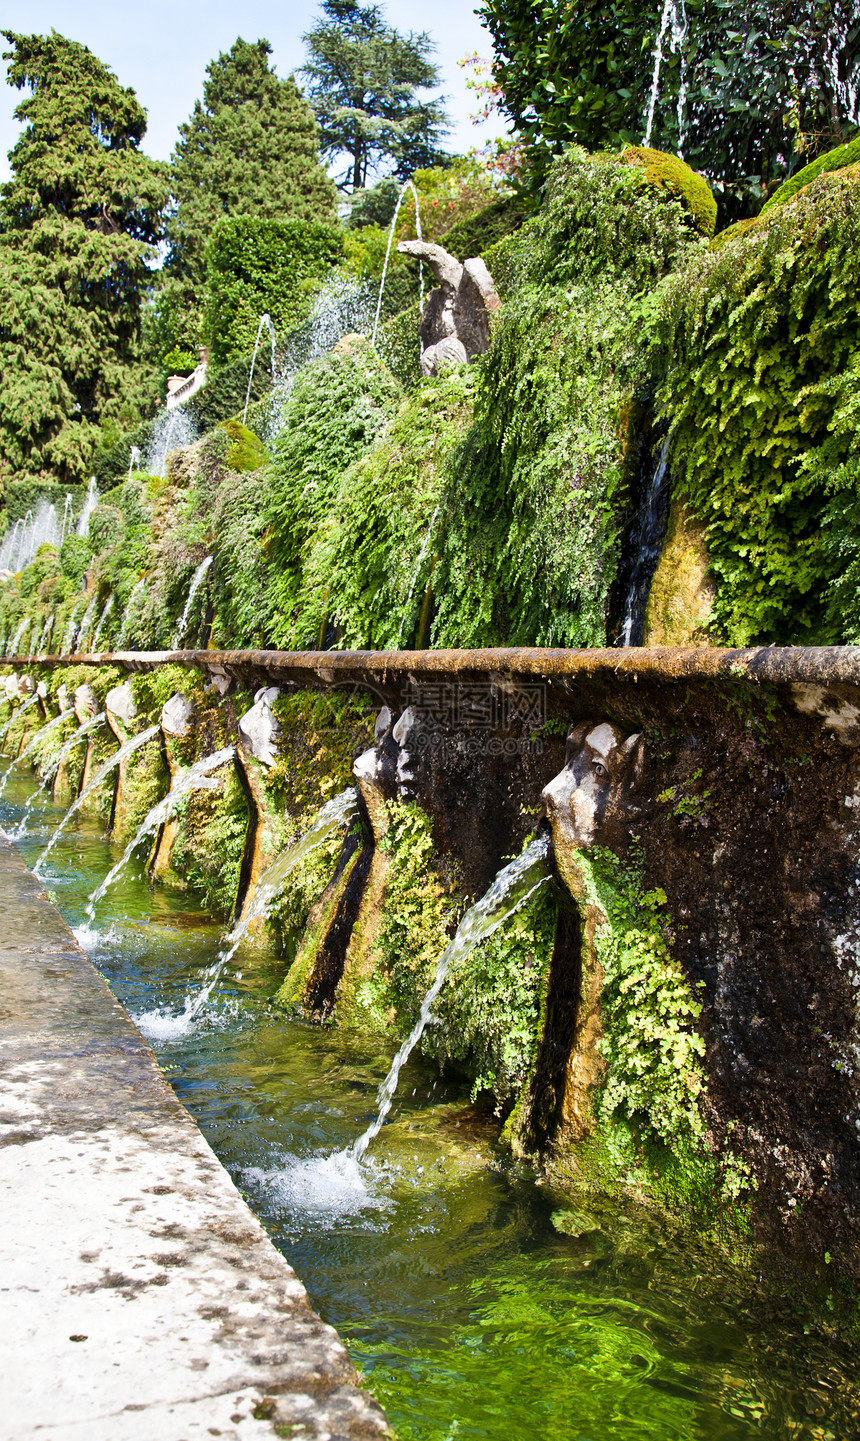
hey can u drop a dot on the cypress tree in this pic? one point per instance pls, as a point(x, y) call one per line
point(249, 148)
point(77, 223)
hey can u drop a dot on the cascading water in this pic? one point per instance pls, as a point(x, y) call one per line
point(509, 891)
point(342, 306)
point(90, 502)
point(31, 745)
point(72, 627)
point(127, 613)
point(53, 766)
point(103, 617)
point(673, 23)
point(336, 814)
point(407, 185)
point(22, 540)
point(128, 749)
point(195, 778)
point(68, 519)
point(85, 627)
point(16, 639)
point(19, 712)
point(41, 648)
point(196, 582)
point(648, 535)
point(133, 460)
point(265, 320)
point(174, 429)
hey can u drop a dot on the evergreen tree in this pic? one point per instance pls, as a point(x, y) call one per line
point(249, 148)
point(363, 81)
point(77, 223)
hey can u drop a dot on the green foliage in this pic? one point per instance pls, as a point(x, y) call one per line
point(532, 507)
point(489, 1010)
point(255, 265)
point(673, 175)
point(248, 149)
point(245, 451)
point(337, 407)
point(383, 519)
point(151, 689)
point(476, 233)
point(649, 1012)
point(226, 386)
point(77, 223)
point(761, 333)
point(364, 78)
point(210, 841)
point(761, 86)
point(835, 159)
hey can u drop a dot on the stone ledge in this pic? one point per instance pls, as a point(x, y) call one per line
point(141, 1296)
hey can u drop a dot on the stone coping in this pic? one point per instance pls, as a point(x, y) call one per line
point(774, 665)
point(141, 1296)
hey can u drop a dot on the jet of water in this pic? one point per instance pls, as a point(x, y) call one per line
point(336, 814)
point(196, 582)
point(72, 628)
point(509, 891)
point(192, 779)
point(104, 615)
point(130, 746)
point(31, 744)
point(265, 319)
point(19, 712)
point(407, 185)
point(674, 19)
point(53, 766)
point(16, 639)
point(126, 616)
point(418, 564)
point(133, 460)
point(68, 518)
point(86, 626)
point(90, 502)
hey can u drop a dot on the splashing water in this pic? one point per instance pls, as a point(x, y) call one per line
point(407, 185)
point(195, 778)
point(133, 460)
point(68, 519)
point(19, 712)
point(104, 615)
point(673, 22)
point(90, 503)
point(342, 306)
point(86, 627)
point(130, 746)
point(336, 814)
point(265, 320)
point(174, 429)
point(418, 564)
point(53, 766)
point(41, 648)
point(196, 582)
point(31, 744)
point(16, 639)
point(509, 891)
point(72, 628)
point(126, 615)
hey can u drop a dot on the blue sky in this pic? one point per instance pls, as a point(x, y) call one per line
point(162, 51)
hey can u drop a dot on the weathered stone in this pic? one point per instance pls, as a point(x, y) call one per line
point(119, 704)
point(177, 715)
point(455, 326)
point(258, 728)
point(86, 703)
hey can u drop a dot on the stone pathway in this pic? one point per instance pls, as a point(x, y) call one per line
point(139, 1296)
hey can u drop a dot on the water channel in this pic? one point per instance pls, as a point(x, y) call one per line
point(477, 1303)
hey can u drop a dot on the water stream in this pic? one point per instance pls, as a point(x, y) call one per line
point(647, 537)
point(50, 769)
point(480, 1305)
point(265, 320)
point(673, 23)
point(22, 709)
point(336, 814)
point(99, 628)
point(31, 744)
point(196, 581)
point(407, 185)
point(91, 500)
point(116, 759)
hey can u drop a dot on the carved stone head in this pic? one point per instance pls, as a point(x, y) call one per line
point(593, 800)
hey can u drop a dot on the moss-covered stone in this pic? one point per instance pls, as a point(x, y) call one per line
point(245, 450)
point(675, 176)
point(681, 596)
point(836, 159)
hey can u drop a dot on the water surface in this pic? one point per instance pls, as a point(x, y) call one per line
point(478, 1304)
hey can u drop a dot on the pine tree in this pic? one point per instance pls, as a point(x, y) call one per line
point(249, 148)
point(77, 223)
point(363, 81)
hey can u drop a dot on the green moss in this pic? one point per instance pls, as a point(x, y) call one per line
point(670, 173)
point(152, 688)
point(210, 841)
point(246, 451)
point(837, 159)
point(763, 336)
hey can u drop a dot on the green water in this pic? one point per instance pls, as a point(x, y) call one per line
point(477, 1304)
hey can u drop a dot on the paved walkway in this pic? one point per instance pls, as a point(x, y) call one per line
point(139, 1296)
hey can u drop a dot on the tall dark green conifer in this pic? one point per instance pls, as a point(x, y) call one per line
point(77, 223)
point(249, 148)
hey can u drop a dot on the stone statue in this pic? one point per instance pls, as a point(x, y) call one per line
point(455, 326)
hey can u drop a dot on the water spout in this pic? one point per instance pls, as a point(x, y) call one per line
point(674, 19)
point(130, 746)
point(52, 768)
point(509, 891)
point(31, 744)
point(19, 712)
point(104, 615)
point(16, 639)
point(196, 582)
point(407, 185)
point(90, 503)
point(265, 320)
point(336, 814)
